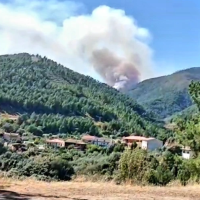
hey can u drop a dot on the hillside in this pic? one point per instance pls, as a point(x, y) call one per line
point(53, 99)
point(166, 95)
point(186, 113)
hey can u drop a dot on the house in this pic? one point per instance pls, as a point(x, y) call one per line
point(150, 144)
point(56, 143)
point(16, 147)
point(187, 152)
point(40, 147)
point(11, 137)
point(103, 142)
point(78, 144)
point(89, 139)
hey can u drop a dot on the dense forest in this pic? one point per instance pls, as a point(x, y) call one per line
point(51, 98)
point(167, 95)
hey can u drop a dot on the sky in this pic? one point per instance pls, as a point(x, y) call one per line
point(164, 35)
point(174, 25)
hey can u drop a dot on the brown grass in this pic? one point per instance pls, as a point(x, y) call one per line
point(8, 116)
point(81, 190)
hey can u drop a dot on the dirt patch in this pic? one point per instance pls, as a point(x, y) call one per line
point(9, 116)
point(76, 190)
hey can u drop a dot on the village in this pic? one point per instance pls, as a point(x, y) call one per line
point(17, 143)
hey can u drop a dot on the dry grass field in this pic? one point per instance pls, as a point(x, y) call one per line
point(81, 190)
point(8, 116)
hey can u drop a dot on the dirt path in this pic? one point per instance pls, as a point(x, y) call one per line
point(34, 190)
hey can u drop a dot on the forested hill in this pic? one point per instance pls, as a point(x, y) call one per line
point(58, 100)
point(166, 95)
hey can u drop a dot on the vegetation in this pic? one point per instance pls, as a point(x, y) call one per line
point(188, 127)
point(136, 166)
point(166, 95)
point(40, 166)
point(53, 99)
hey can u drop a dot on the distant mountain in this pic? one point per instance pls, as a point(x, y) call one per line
point(186, 113)
point(57, 100)
point(166, 95)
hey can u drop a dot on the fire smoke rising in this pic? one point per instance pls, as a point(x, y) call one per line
point(107, 44)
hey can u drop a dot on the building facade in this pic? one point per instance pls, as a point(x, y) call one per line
point(11, 137)
point(187, 153)
point(58, 143)
point(103, 142)
point(149, 144)
point(55, 143)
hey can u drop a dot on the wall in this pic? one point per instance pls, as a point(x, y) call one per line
point(187, 154)
point(154, 144)
point(144, 144)
point(56, 144)
point(11, 137)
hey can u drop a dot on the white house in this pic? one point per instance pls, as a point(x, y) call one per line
point(150, 144)
point(187, 153)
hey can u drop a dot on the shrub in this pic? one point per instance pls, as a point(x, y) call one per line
point(94, 148)
point(162, 175)
point(2, 149)
point(61, 169)
point(184, 175)
point(133, 165)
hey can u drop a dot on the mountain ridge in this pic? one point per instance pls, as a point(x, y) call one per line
point(166, 95)
point(58, 100)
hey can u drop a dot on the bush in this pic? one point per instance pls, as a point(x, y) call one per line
point(50, 167)
point(119, 147)
point(137, 166)
point(94, 148)
point(184, 175)
point(61, 169)
point(162, 176)
point(2, 149)
point(133, 165)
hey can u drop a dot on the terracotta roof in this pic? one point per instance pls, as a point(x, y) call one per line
point(74, 141)
point(133, 137)
point(55, 140)
point(187, 148)
point(89, 137)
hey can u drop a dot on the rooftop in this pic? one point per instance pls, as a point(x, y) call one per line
point(94, 138)
point(134, 137)
point(103, 140)
point(70, 140)
point(55, 140)
point(74, 141)
point(186, 148)
point(89, 137)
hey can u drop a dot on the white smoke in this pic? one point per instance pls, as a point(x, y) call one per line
point(106, 42)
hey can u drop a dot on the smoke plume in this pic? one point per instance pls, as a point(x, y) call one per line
point(106, 44)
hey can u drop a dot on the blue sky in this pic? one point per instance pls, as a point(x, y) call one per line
point(174, 25)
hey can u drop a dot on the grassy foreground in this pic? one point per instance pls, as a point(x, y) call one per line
point(83, 190)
